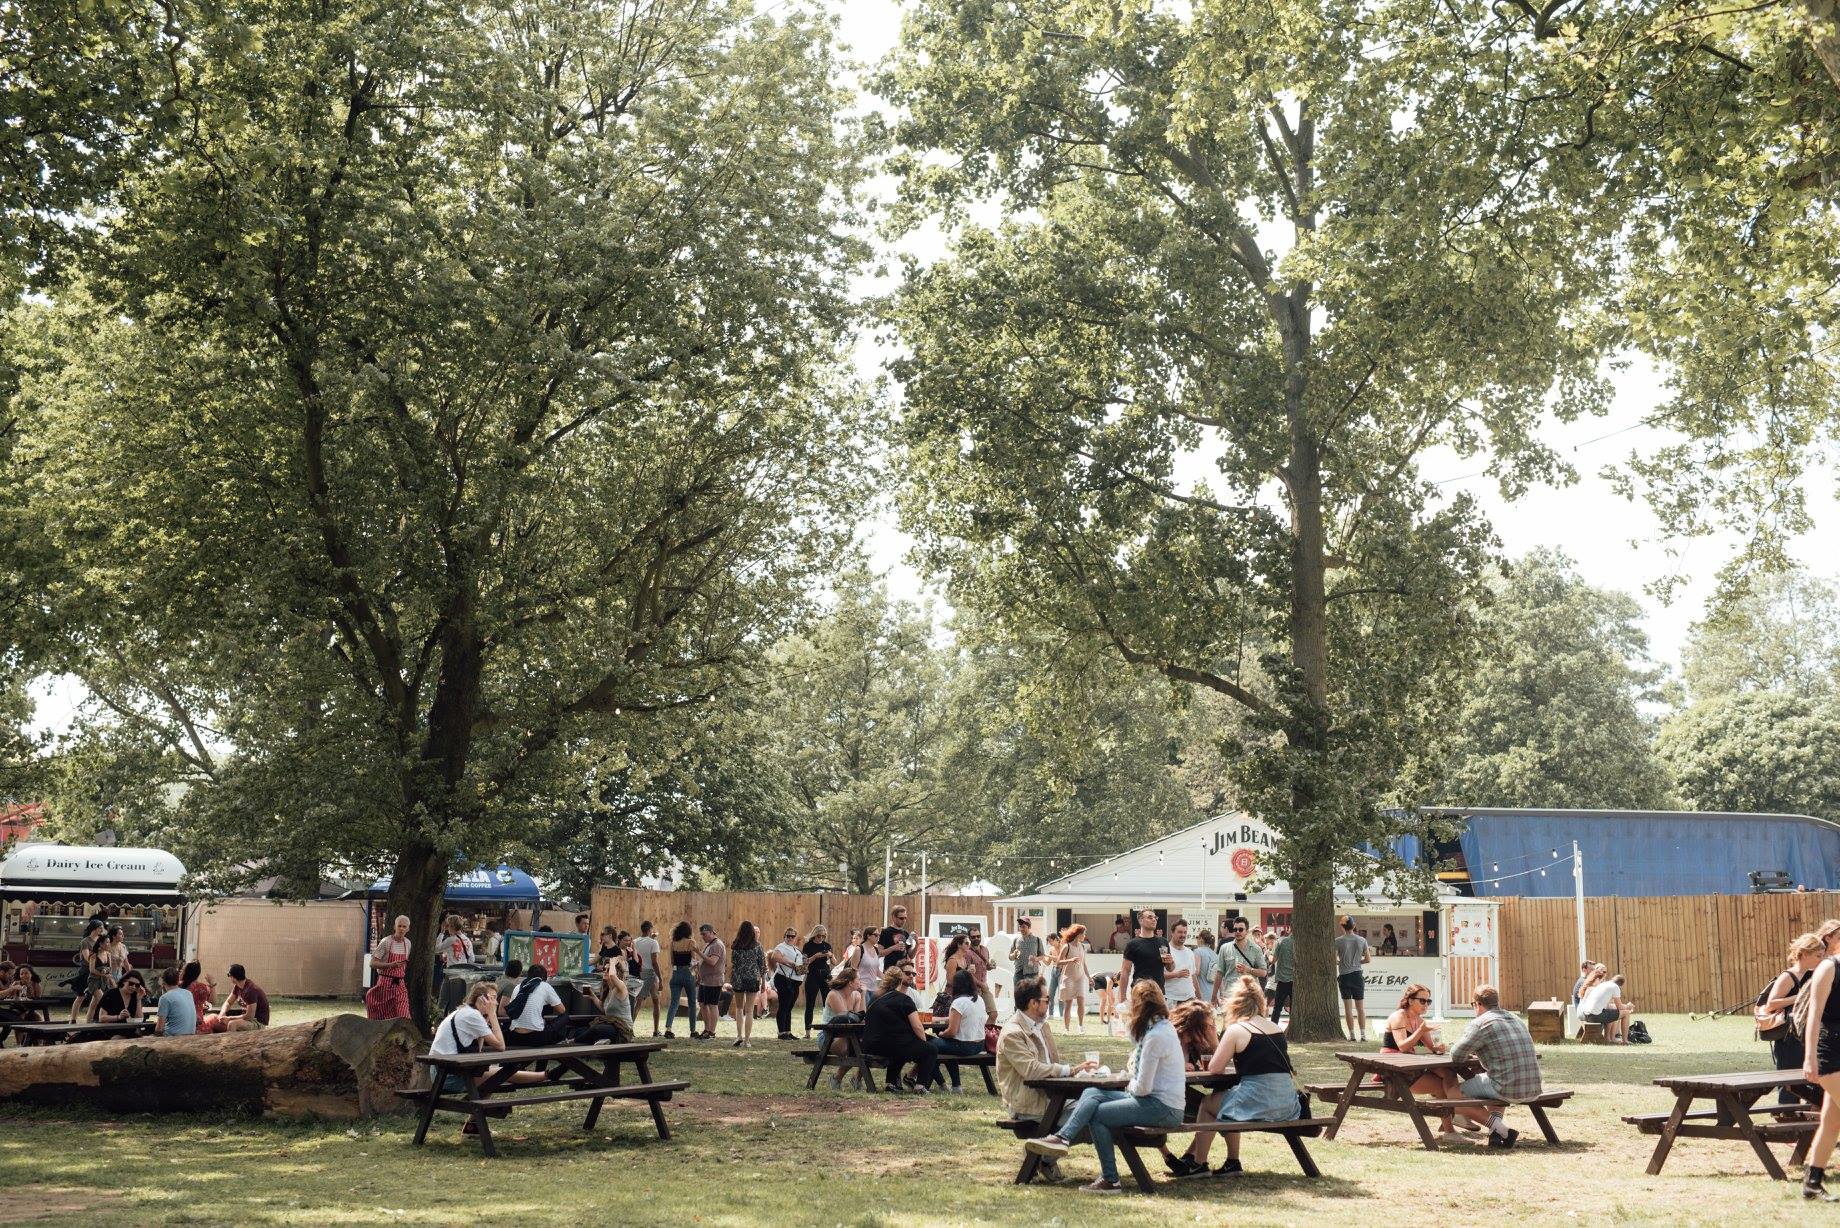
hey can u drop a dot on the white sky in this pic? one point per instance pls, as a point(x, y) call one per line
point(1613, 541)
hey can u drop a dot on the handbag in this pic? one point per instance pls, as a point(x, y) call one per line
point(991, 1032)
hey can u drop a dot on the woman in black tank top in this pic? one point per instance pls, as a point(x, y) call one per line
point(1408, 1031)
point(1257, 1051)
point(1821, 1064)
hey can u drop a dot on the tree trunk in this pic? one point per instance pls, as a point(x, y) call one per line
point(345, 1066)
point(1315, 1004)
point(1313, 885)
point(1824, 27)
point(417, 887)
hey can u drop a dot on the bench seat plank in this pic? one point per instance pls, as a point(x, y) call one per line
point(632, 1091)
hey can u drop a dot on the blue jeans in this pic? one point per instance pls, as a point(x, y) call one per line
point(1099, 1112)
point(946, 1046)
point(683, 981)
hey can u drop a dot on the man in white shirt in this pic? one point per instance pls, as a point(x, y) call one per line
point(651, 970)
point(532, 1026)
point(1179, 977)
point(788, 964)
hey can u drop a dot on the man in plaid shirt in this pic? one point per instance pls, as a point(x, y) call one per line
point(1511, 1067)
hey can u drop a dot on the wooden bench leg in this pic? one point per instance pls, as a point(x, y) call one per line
point(1669, 1130)
point(485, 1135)
point(1304, 1159)
point(817, 1063)
point(1799, 1156)
point(1135, 1162)
point(421, 1127)
point(990, 1084)
point(1545, 1124)
point(1342, 1105)
point(1425, 1134)
point(664, 1129)
point(594, 1112)
point(1749, 1133)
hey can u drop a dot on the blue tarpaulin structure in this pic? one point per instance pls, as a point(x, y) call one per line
point(1643, 852)
point(500, 885)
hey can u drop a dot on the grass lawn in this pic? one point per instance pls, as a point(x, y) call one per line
point(753, 1147)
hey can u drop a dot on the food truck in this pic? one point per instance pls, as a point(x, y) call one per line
point(1207, 875)
point(48, 892)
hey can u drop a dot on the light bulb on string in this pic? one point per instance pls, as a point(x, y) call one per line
point(1496, 867)
point(1542, 874)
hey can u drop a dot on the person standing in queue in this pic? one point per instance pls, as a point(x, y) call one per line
point(1240, 957)
point(1283, 971)
point(788, 966)
point(1351, 951)
point(1146, 957)
point(895, 943)
point(1179, 974)
point(1025, 954)
point(711, 963)
point(683, 979)
point(817, 953)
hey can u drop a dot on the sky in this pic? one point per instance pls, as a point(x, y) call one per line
point(1614, 542)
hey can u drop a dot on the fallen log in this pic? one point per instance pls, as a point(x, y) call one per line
point(342, 1066)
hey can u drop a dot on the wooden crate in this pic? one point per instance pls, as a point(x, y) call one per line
point(1546, 1022)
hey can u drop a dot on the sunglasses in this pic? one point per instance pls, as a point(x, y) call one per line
point(1426, 1001)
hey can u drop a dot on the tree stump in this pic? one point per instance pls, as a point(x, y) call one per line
point(342, 1066)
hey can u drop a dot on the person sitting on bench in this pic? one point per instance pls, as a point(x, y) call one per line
point(531, 1027)
point(965, 1018)
point(1155, 1096)
point(1510, 1065)
point(843, 1003)
point(1408, 1031)
point(473, 1025)
point(1025, 1051)
point(1257, 1049)
point(1603, 1005)
point(892, 1032)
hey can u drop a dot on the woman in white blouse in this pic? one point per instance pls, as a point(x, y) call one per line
point(1155, 1096)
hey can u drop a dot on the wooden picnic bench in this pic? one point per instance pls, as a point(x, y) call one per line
point(1384, 1081)
point(71, 1033)
point(1062, 1090)
point(1734, 1103)
point(592, 1074)
point(855, 1056)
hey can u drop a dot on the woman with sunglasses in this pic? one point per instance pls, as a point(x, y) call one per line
point(1408, 1031)
point(122, 1003)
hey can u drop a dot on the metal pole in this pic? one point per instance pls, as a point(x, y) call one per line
point(1578, 896)
point(923, 929)
point(1206, 923)
point(887, 881)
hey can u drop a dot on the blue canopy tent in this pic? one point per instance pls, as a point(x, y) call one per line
point(492, 892)
point(1641, 852)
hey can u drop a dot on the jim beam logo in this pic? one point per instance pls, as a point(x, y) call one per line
point(1241, 844)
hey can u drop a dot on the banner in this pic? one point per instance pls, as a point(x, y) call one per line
point(557, 954)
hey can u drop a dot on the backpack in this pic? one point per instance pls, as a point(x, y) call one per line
point(1772, 1025)
point(1798, 1013)
point(1638, 1034)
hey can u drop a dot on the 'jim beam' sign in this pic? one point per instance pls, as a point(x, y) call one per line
point(1240, 844)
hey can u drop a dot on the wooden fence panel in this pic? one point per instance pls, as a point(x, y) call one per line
point(1679, 953)
point(773, 911)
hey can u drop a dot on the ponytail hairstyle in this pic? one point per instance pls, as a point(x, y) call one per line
point(1147, 1006)
point(1246, 1001)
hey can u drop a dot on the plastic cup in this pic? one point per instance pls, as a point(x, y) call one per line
point(1091, 1055)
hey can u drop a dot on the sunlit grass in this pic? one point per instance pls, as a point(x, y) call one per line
point(753, 1147)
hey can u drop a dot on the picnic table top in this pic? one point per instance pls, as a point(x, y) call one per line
point(1742, 1080)
point(1074, 1084)
point(1383, 1060)
point(636, 1048)
point(70, 1029)
point(34, 1004)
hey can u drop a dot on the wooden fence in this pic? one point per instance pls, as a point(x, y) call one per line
point(1679, 953)
point(773, 911)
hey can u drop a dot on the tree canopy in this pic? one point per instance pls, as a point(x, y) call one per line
point(458, 386)
point(1551, 715)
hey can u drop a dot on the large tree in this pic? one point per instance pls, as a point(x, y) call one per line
point(1760, 751)
point(459, 390)
point(1551, 715)
point(858, 711)
point(1260, 263)
point(1780, 633)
